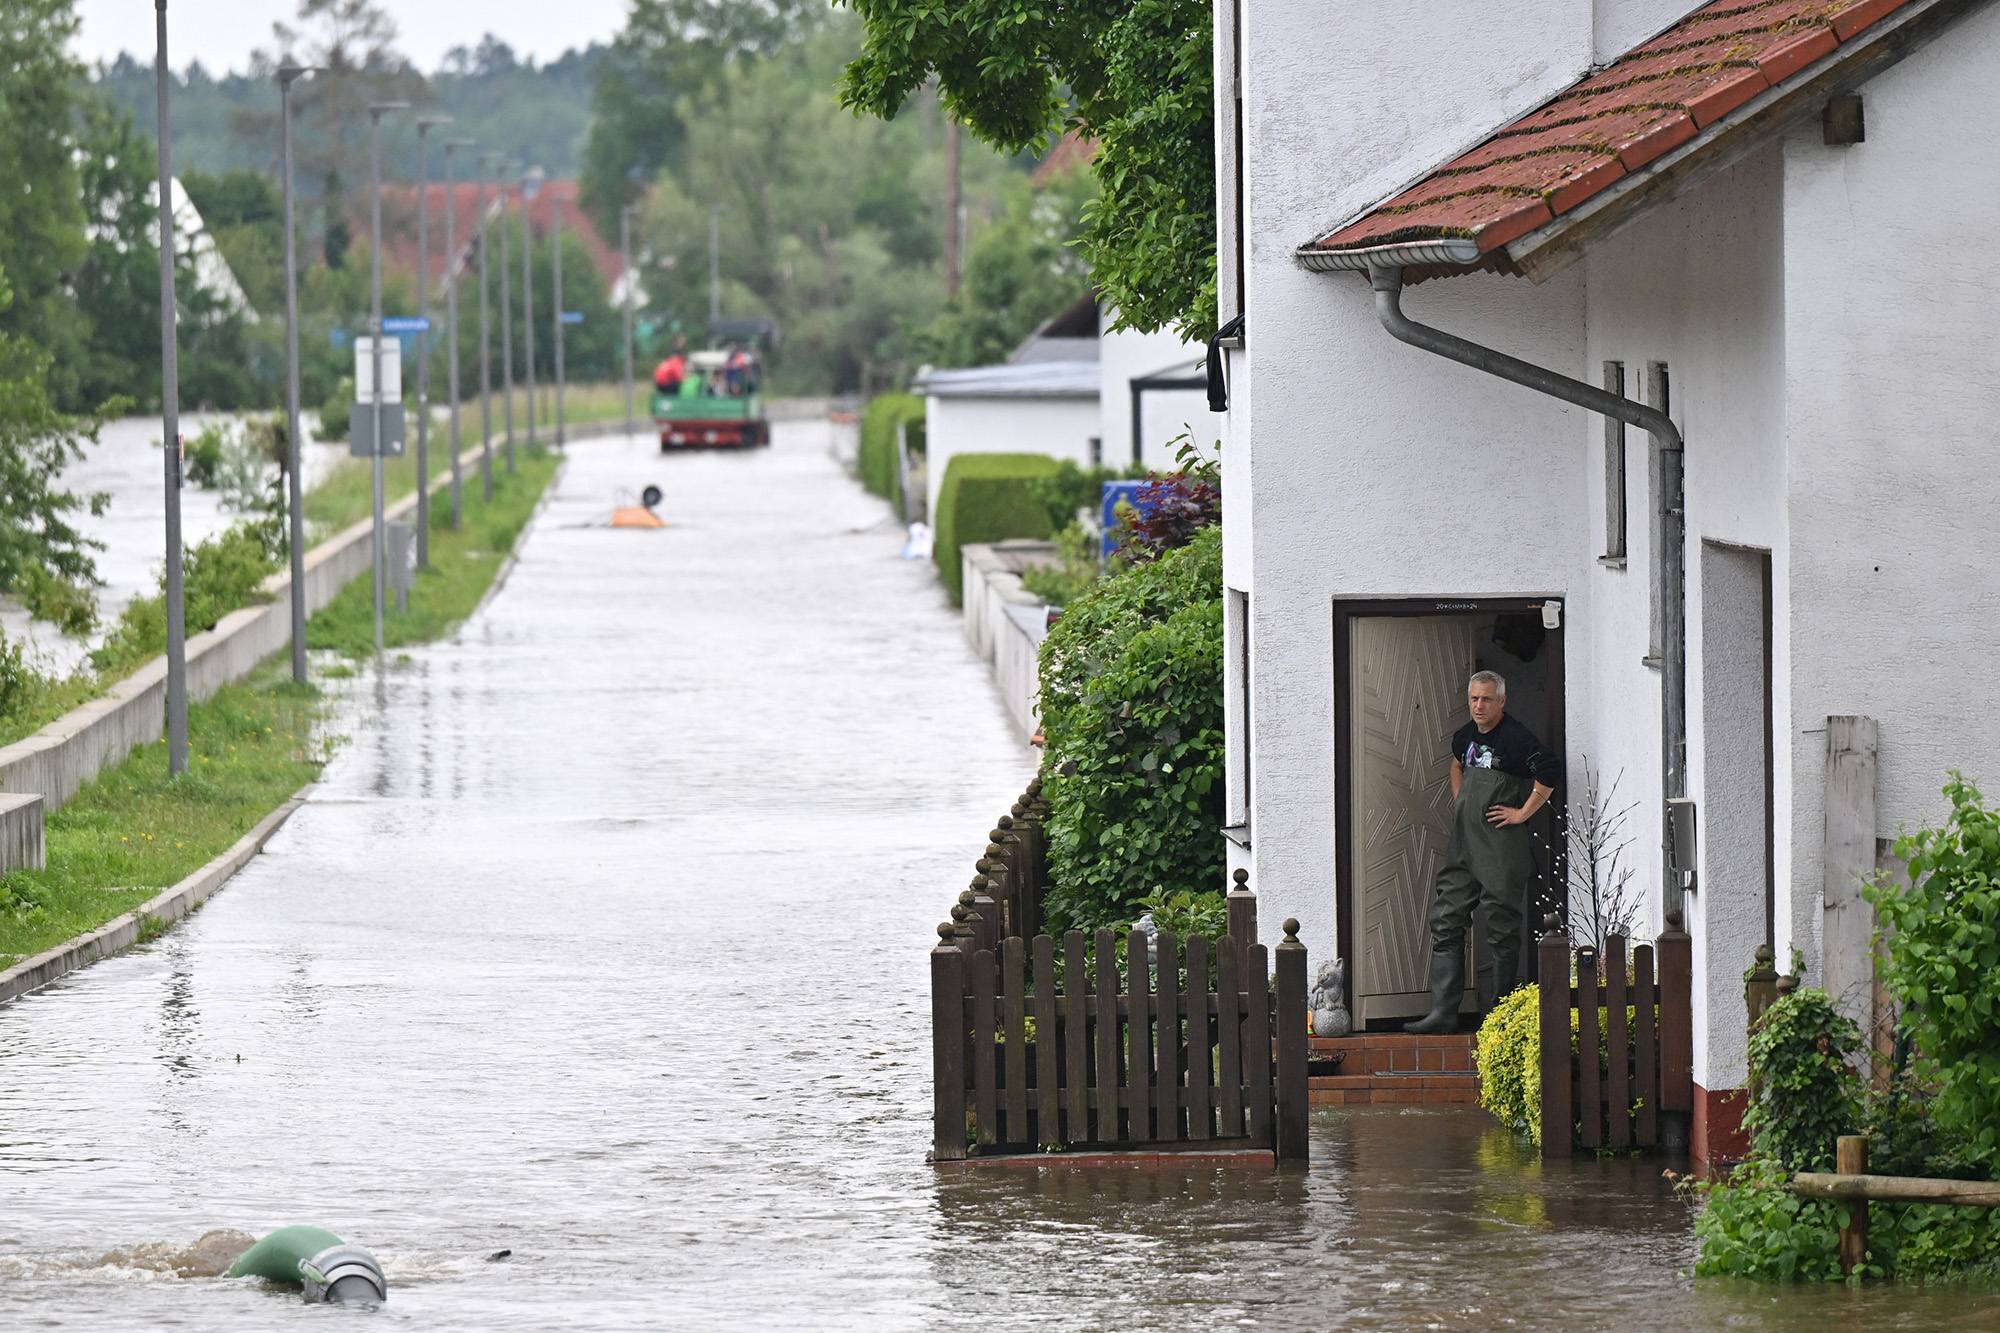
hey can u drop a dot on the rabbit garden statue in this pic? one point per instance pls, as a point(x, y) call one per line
point(1329, 1001)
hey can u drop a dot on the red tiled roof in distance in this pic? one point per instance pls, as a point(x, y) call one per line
point(1652, 99)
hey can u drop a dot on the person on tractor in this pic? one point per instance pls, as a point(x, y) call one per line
point(672, 372)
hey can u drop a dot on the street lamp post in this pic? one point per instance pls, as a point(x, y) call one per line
point(424, 124)
point(625, 278)
point(506, 321)
point(375, 385)
point(531, 184)
point(294, 454)
point(555, 271)
point(485, 346)
point(451, 322)
point(170, 421)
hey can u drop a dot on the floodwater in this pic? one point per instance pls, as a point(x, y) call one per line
point(603, 943)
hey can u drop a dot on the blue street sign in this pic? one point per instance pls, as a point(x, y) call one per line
point(572, 317)
point(406, 324)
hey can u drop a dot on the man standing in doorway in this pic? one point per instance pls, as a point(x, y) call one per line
point(1500, 776)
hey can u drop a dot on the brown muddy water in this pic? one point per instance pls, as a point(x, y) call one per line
point(603, 942)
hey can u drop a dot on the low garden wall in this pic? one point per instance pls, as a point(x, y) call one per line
point(1004, 622)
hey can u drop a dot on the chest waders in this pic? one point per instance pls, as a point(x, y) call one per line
point(1484, 863)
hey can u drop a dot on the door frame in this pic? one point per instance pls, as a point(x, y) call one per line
point(1346, 610)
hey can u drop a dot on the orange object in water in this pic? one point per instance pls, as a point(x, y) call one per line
point(636, 516)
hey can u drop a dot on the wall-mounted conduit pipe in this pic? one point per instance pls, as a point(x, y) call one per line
point(1670, 560)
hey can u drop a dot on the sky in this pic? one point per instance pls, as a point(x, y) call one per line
point(222, 33)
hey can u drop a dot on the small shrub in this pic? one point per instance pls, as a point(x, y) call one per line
point(987, 498)
point(334, 411)
point(1131, 696)
point(1804, 1092)
point(18, 680)
point(1942, 936)
point(203, 456)
point(1510, 1061)
point(218, 576)
point(1751, 1226)
point(1077, 570)
point(1183, 913)
point(64, 602)
point(1170, 509)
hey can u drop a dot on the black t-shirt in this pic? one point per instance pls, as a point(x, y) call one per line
point(1509, 747)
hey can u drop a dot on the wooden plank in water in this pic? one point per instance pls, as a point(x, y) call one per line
point(1199, 1065)
point(1138, 1038)
point(1258, 1090)
point(1105, 1030)
point(1589, 1081)
point(1646, 998)
point(1076, 1031)
point(985, 1099)
point(1618, 1085)
point(1013, 968)
point(1229, 1039)
point(1048, 1044)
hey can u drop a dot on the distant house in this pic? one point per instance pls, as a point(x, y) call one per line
point(1073, 389)
point(461, 203)
point(1767, 221)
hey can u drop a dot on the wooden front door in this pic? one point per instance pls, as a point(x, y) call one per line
point(1406, 696)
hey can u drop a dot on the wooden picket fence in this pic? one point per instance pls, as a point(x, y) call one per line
point(1639, 1092)
point(1200, 1046)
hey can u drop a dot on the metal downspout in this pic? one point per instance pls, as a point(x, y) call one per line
point(1671, 558)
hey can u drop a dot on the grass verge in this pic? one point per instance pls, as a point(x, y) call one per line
point(462, 567)
point(131, 831)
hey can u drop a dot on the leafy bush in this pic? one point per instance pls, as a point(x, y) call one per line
point(334, 411)
point(62, 601)
point(986, 498)
point(1072, 489)
point(1804, 1091)
point(1942, 934)
point(1131, 691)
point(878, 440)
point(1076, 571)
point(1510, 1061)
point(218, 576)
point(1167, 512)
point(1184, 913)
point(1752, 1226)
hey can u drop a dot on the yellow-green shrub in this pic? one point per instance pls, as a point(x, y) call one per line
point(1510, 1061)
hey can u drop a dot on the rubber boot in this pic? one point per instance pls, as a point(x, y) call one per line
point(1447, 992)
point(1506, 975)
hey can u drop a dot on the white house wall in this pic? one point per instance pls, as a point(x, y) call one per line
point(1058, 427)
point(1698, 285)
point(1893, 300)
point(1374, 469)
point(1125, 356)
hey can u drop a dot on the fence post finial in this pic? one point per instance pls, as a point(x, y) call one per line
point(1294, 1099)
point(1241, 906)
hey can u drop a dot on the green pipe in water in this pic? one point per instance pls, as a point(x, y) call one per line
point(329, 1269)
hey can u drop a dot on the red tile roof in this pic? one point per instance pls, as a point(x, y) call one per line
point(1650, 100)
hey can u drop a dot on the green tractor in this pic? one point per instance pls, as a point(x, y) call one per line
point(715, 405)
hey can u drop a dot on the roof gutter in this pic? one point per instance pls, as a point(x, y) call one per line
point(1670, 564)
point(1414, 254)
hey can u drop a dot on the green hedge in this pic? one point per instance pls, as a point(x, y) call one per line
point(987, 498)
point(878, 440)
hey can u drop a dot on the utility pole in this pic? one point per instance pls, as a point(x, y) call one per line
point(375, 386)
point(714, 263)
point(531, 184)
point(485, 346)
point(294, 455)
point(451, 323)
point(506, 321)
point(170, 420)
point(555, 270)
point(424, 124)
point(954, 223)
point(625, 277)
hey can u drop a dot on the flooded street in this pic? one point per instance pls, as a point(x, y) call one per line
point(603, 942)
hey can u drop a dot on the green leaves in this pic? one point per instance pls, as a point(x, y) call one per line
point(1805, 1093)
point(1132, 713)
point(1941, 934)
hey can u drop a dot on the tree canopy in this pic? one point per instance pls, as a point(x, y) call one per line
point(1135, 75)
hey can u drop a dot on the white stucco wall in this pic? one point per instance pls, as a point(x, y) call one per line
point(1697, 284)
point(1058, 427)
point(1893, 304)
point(1127, 355)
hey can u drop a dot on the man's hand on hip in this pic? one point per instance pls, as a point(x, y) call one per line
point(1502, 816)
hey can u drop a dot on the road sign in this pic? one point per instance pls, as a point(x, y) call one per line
point(572, 317)
point(392, 369)
point(361, 430)
point(407, 324)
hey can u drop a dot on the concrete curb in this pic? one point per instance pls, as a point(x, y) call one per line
point(168, 906)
